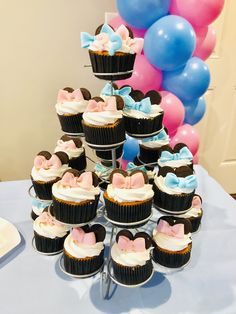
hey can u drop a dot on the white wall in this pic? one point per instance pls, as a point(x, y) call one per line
point(40, 53)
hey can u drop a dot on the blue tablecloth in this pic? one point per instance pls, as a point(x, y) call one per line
point(32, 283)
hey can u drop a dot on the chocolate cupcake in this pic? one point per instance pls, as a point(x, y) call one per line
point(75, 197)
point(174, 189)
point(143, 116)
point(130, 256)
point(47, 170)
point(103, 123)
point(70, 107)
point(172, 242)
point(84, 250)
point(112, 53)
point(74, 148)
point(128, 197)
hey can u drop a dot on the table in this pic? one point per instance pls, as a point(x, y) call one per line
point(32, 283)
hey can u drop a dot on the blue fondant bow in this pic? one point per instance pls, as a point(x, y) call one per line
point(159, 137)
point(102, 169)
point(172, 181)
point(108, 90)
point(39, 204)
point(131, 166)
point(144, 105)
point(184, 153)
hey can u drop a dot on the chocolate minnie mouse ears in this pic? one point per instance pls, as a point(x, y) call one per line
point(130, 236)
point(99, 230)
point(130, 174)
point(154, 96)
point(119, 101)
point(45, 154)
point(136, 94)
point(175, 221)
point(77, 173)
point(85, 92)
point(180, 172)
point(76, 140)
point(98, 30)
point(64, 158)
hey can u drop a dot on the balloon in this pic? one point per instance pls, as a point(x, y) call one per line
point(124, 164)
point(196, 158)
point(117, 21)
point(145, 77)
point(197, 12)
point(188, 135)
point(140, 13)
point(173, 111)
point(189, 82)
point(206, 41)
point(130, 149)
point(194, 110)
point(169, 43)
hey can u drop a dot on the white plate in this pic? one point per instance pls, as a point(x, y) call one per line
point(9, 237)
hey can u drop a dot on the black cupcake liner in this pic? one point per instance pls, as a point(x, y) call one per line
point(47, 245)
point(132, 275)
point(78, 163)
point(33, 215)
point(107, 135)
point(149, 155)
point(195, 222)
point(44, 190)
point(136, 211)
point(103, 63)
point(75, 214)
point(143, 126)
point(172, 203)
point(83, 266)
point(71, 123)
point(107, 154)
point(171, 260)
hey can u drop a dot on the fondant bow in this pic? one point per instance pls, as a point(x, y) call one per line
point(137, 245)
point(41, 162)
point(131, 166)
point(136, 44)
point(144, 105)
point(184, 154)
point(176, 231)
point(66, 145)
point(196, 202)
point(39, 204)
point(159, 137)
point(45, 218)
point(102, 169)
point(135, 181)
point(81, 237)
point(84, 181)
point(108, 105)
point(172, 181)
point(64, 95)
point(108, 90)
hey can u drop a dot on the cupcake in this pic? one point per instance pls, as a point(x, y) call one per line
point(49, 234)
point(172, 242)
point(130, 256)
point(103, 123)
point(132, 167)
point(38, 207)
point(75, 197)
point(143, 116)
point(128, 198)
point(103, 170)
point(194, 215)
point(151, 147)
point(107, 154)
point(174, 189)
point(111, 89)
point(112, 53)
point(47, 170)
point(179, 156)
point(70, 107)
point(74, 148)
point(84, 250)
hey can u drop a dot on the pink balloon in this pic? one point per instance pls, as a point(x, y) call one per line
point(188, 135)
point(196, 158)
point(124, 164)
point(197, 12)
point(145, 77)
point(174, 111)
point(117, 21)
point(206, 41)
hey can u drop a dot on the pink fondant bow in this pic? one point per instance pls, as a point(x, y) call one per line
point(138, 245)
point(64, 95)
point(130, 182)
point(176, 231)
point(66, 145)
point(41, 162)
point(196, 202)
point(85, 180)
point(108, 105)
point(135, 43)
point(81, 237)
point(45, 218)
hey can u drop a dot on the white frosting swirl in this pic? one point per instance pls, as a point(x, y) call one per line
point(102, 117)
point(156, 144)
point(51, 231)
point(175, 163)
point(73, 194)
point(156, 111)
point(78, 250)
point(47, 175)
point(130, 195)
point(71, 107)
point(129, 258)
point(171, 243)
point(160, 183)
point(72, 153)
point(193, 212)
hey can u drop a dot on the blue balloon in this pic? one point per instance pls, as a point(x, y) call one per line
point(130, 149)
point(194, 110)
point(142, 13)
point(189, 82)
point(169, 43)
